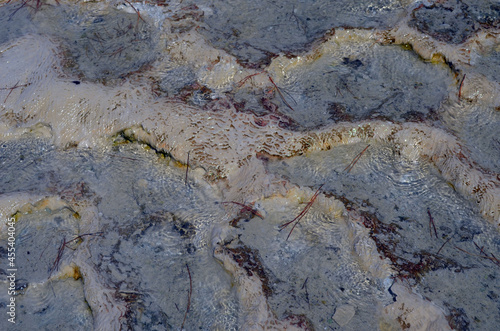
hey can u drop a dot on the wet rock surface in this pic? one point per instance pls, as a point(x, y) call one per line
point(247, 166)
point(258, 31)
point(448, 24)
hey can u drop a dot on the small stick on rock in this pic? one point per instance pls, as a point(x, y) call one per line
point(189, 296)
point(187, 169)
point(244, 80)
point(460, 88)
point(355, 160)
point(137, 12)
point(12, 89)
point(82, 235)
point(440, 248)
point(432, 226)
point(484, 256)
point(281, 94)
point(302, 213)
point(60, 252)
point(245, 207)
point(304, 286)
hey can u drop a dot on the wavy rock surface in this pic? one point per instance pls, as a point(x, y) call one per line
point(151, 151)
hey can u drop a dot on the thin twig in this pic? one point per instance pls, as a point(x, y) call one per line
point(481, 249)
point(187, 169)
point(117, 51)
point(281, 94)
point(24, 3)
point(304, 286)
point(244, 80)
point(491, 258)
point(62, 246)
point(12, 89)
point(338, 90)
point(41, 254)
point(460, 88)
point(60, 252)
point(248, 208)
point(82, 235)
point(431, 224)
point(138, 15)
point(355, 160)
point(440, 248)
point(486, 256)
point(302, 213)
point(497, 261)
point(189, 296)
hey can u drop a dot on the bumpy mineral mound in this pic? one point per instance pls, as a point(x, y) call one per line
point(231, 165)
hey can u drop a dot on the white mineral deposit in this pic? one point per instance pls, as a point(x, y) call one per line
point(249, 165)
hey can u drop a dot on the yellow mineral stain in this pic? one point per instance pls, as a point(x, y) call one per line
point(438, 58)
point(70, 271)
